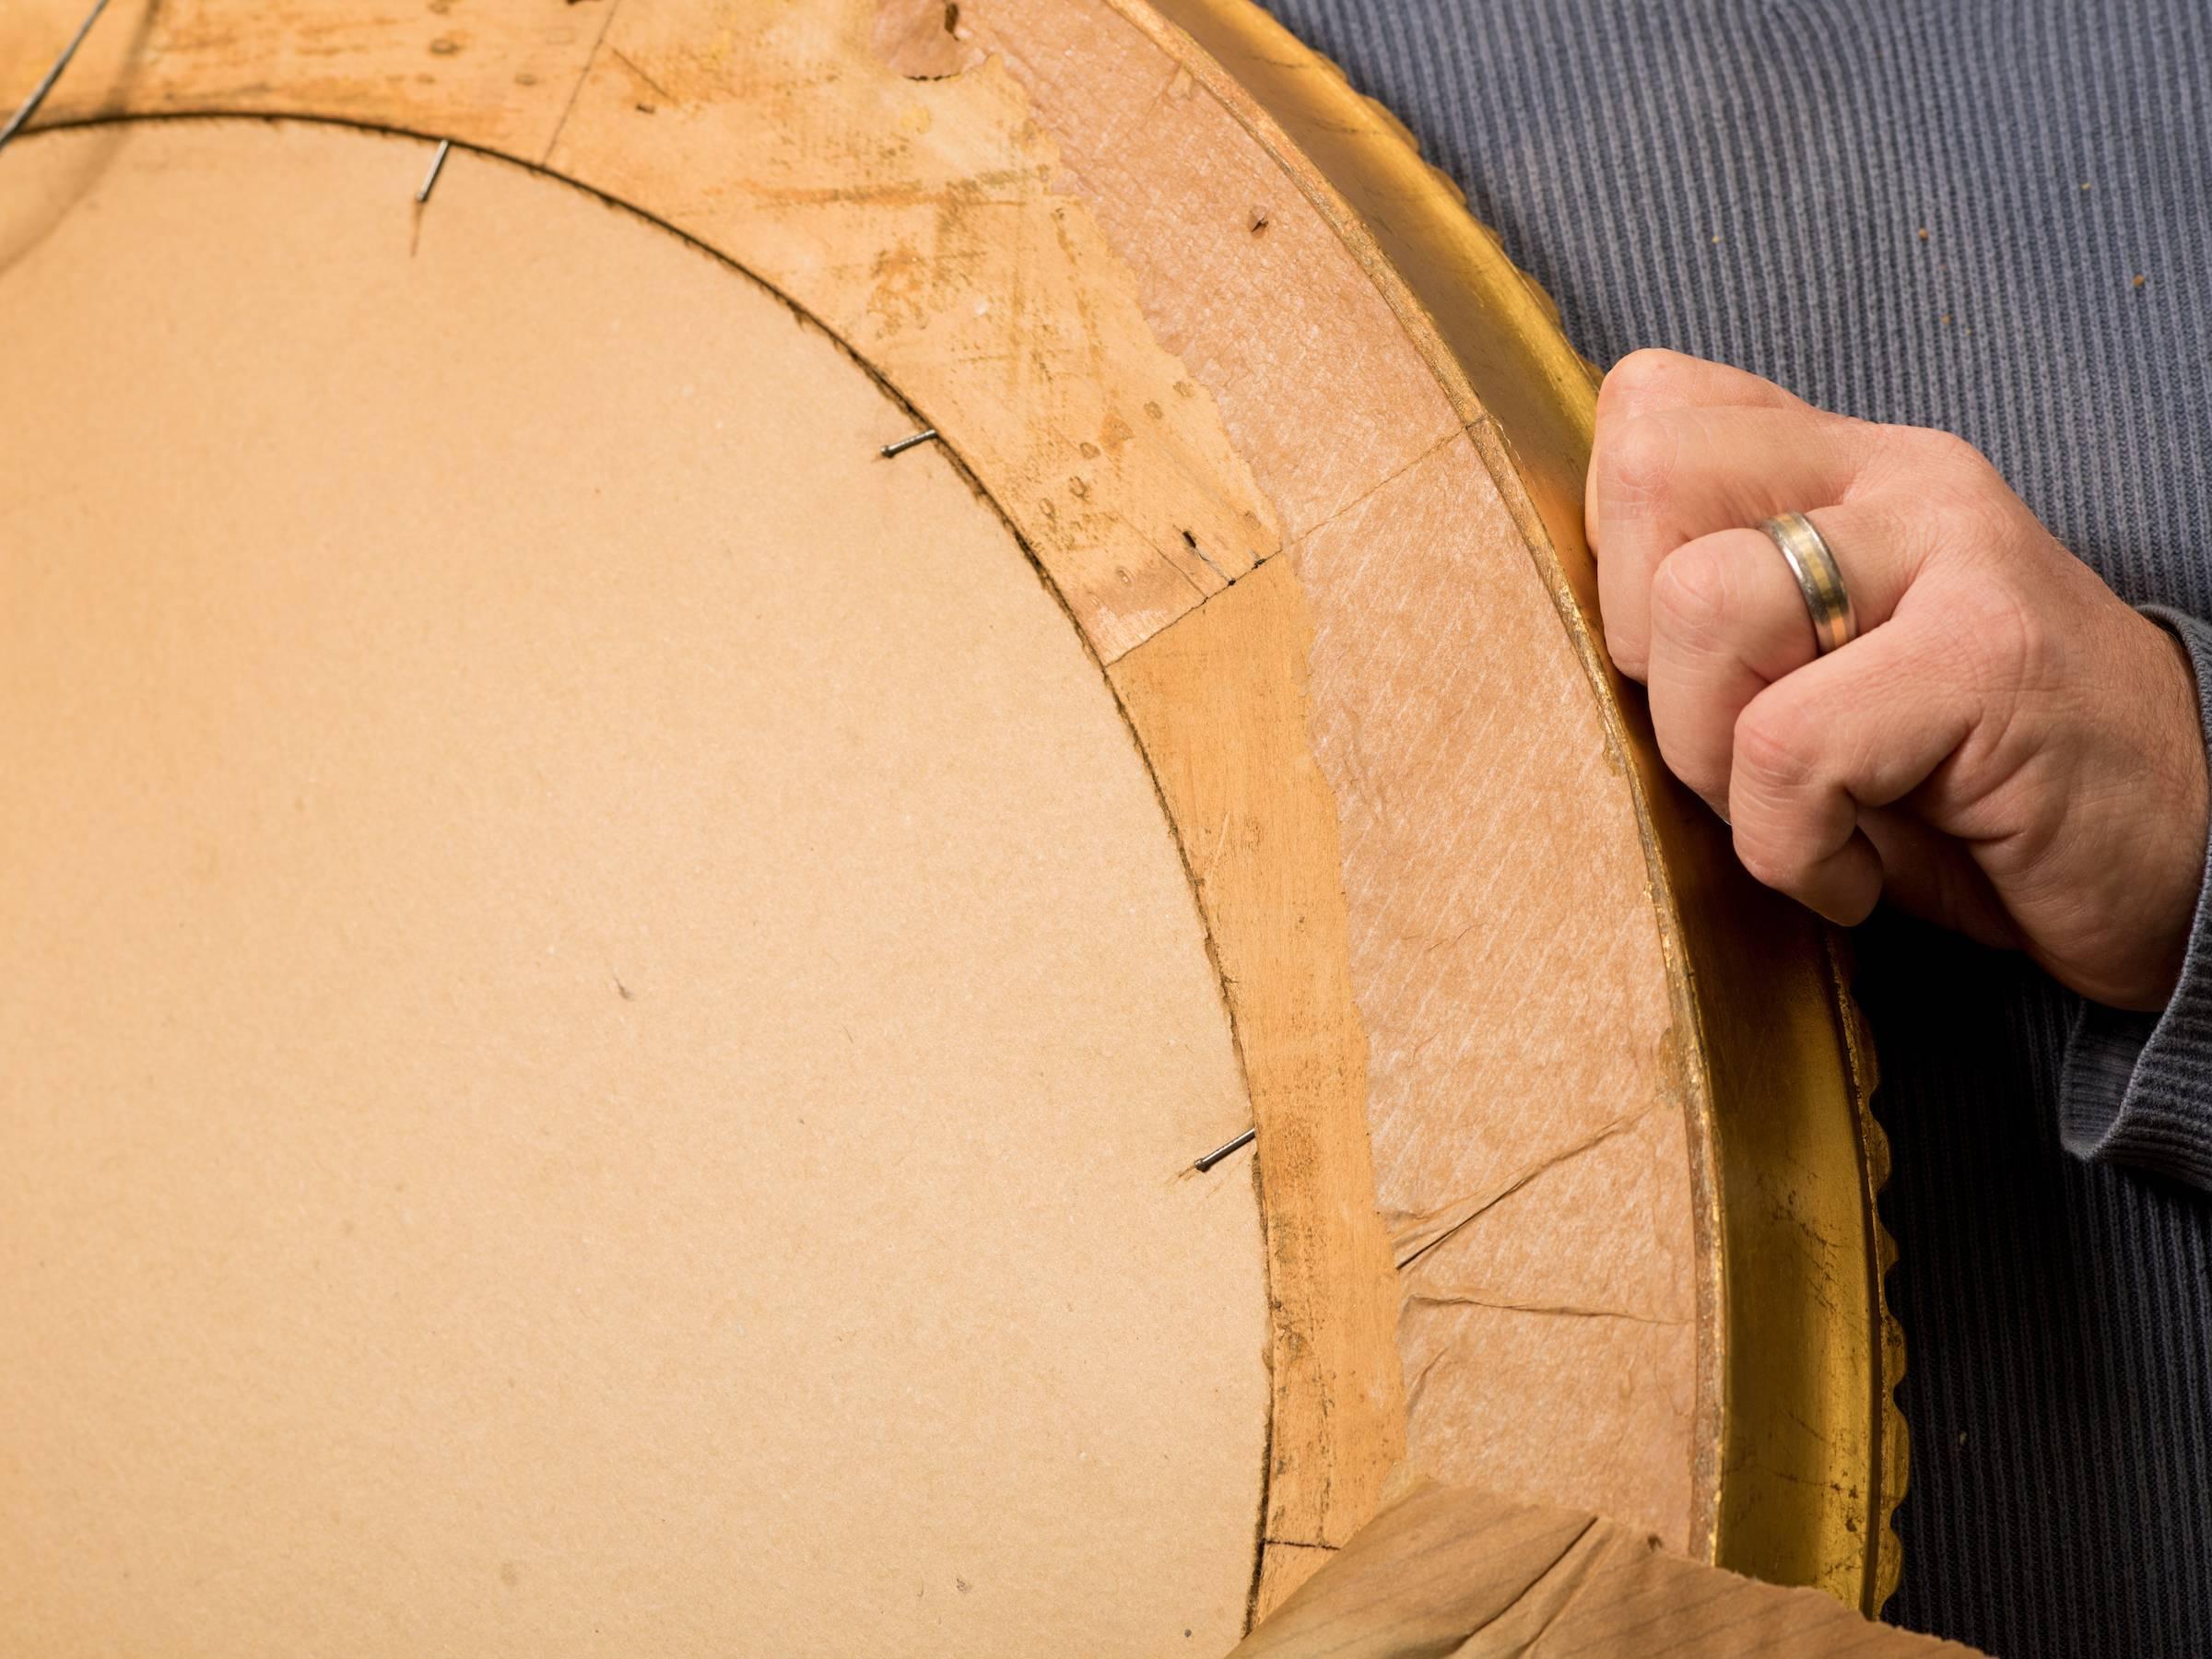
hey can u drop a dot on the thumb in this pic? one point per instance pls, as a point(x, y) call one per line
point(1932, 875)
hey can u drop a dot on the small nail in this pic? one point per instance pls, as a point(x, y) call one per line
point(900, 448)
point(1224, 1149)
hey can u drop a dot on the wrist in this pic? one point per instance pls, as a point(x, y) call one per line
point(2181, 795)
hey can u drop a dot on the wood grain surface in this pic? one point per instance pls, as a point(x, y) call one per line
point(1333, 589)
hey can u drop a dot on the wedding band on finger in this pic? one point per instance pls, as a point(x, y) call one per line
point(1826, 600)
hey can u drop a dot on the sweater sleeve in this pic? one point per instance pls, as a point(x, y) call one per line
point(2137, 1088)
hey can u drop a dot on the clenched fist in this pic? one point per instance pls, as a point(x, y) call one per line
point(2007, 748)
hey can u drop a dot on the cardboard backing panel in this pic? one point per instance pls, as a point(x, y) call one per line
point(604, 1029)
point(1265, 405)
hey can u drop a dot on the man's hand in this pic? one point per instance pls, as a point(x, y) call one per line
point(2007, 748)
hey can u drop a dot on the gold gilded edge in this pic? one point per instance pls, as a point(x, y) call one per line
point(1787, 1158)
point(1808, 1454)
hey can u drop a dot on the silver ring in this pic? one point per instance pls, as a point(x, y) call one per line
point(1826, 600)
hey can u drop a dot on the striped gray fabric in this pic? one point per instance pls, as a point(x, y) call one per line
point(2137, 1088)
point(1995, 218)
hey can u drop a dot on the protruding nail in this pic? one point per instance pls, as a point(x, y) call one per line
point(437, 166)
point(900, 448)
point(1224, 1149)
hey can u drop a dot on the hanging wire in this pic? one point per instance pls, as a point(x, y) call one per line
point(29, 106)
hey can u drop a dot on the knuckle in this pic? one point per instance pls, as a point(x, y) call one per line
point(1768, 861)
point(1691, 594)
point(1940, 451)
point(1638, 458)
point(2008, 638)
point(1974, 508)
point(1939, 470)
point(1629, 655)
point(1773, 764)
point(1641, 379)
point(1967, 520)
point(1773, 751)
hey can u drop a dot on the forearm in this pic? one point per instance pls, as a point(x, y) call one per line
point(2137, 1086)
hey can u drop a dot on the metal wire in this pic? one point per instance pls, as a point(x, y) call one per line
point(29, 106)
point(1224, 1149)
point(430, 180)
point(904, 444)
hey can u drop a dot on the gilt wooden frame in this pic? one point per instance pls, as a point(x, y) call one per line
point(1253, 389)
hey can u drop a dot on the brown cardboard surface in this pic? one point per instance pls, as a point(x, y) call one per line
point(1170, 337)
point(603, 1026)
point(1454, 1572)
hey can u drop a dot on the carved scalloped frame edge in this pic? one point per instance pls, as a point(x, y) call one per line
point(1893, 1437)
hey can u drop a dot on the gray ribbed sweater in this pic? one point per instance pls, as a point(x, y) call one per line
point(1997, 219)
